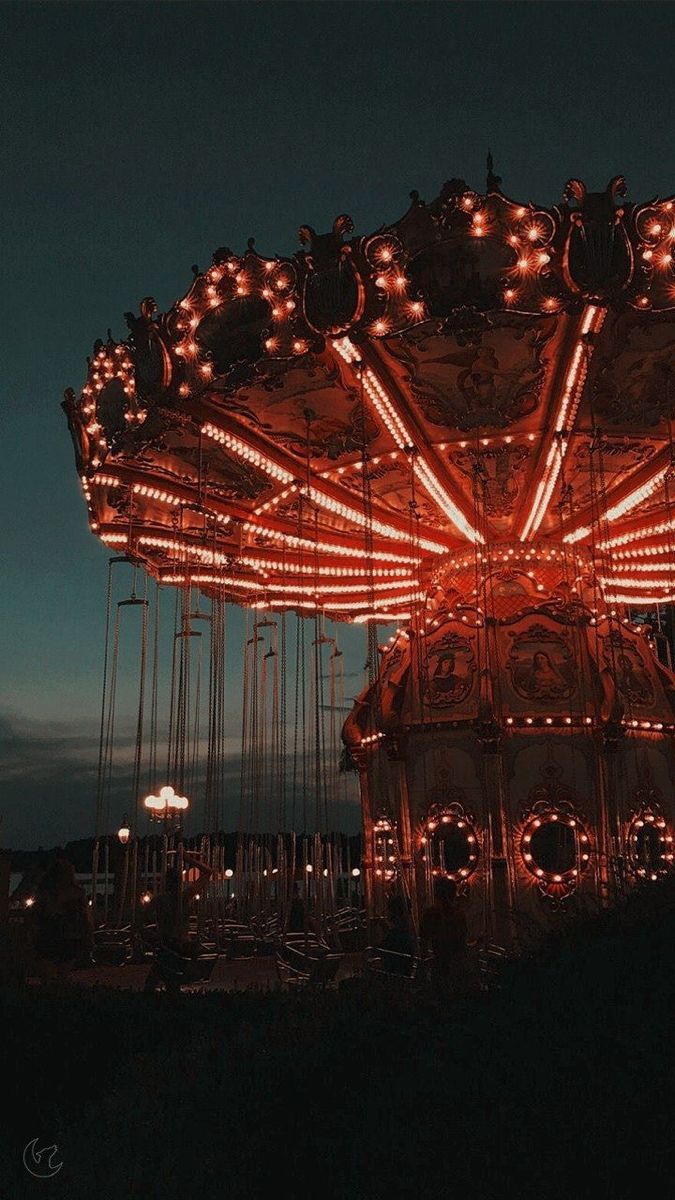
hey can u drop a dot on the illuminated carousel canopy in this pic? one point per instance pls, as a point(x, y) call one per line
point(332, 428)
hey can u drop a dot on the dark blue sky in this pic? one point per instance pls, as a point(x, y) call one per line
point(138, 137)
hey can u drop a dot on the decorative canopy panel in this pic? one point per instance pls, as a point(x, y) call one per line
point(327, 429)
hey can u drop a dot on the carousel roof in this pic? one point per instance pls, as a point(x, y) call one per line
point(321, 429)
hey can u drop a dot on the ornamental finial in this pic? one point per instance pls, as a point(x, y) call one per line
point(493, 182)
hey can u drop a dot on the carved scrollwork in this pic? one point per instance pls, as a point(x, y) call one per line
point(333, 293)
point(598, 259)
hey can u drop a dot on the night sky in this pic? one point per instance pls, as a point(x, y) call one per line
point(139, 137)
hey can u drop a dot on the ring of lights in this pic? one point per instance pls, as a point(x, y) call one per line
point(574, 847)
point(451, 832)
point(385, 857)
point(649, 845)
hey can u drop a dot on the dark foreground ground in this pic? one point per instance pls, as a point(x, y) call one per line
point(560, 1084)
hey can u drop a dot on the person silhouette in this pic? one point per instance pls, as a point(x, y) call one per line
point(443, 934)
point(172, 911)
point(398, 943)
point(296, 913)
point(62, 922)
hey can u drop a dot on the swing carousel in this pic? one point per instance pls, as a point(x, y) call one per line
point(455, 432)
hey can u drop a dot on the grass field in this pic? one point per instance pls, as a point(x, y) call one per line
point(559, 1084)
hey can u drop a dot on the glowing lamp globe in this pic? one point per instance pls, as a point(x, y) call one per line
point(166, 804)
point(124, 832)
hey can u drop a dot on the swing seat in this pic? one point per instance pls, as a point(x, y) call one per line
point(349, 926)
point(176, 968)
point(267, 932)
point(389, 964)
point(205, 964)
point(111, 948)
point(326, 970)
point(239, 942)
point(111, 954)
point(491, 961)
point(304, 960)
point(172, 967)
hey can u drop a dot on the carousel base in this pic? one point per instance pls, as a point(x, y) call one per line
point(518, 742)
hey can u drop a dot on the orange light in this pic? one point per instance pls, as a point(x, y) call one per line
point(565, 415)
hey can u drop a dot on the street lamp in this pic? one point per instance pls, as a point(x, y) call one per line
point(121, 877)
point(355, 898)
point(167, 804)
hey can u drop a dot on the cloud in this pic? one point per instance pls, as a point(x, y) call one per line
point(48, 774)
point(49, 781)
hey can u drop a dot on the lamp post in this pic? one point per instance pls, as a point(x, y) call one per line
point(123, 837)
point(168, 807)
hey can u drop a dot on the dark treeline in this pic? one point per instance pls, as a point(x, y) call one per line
point(80, 852)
